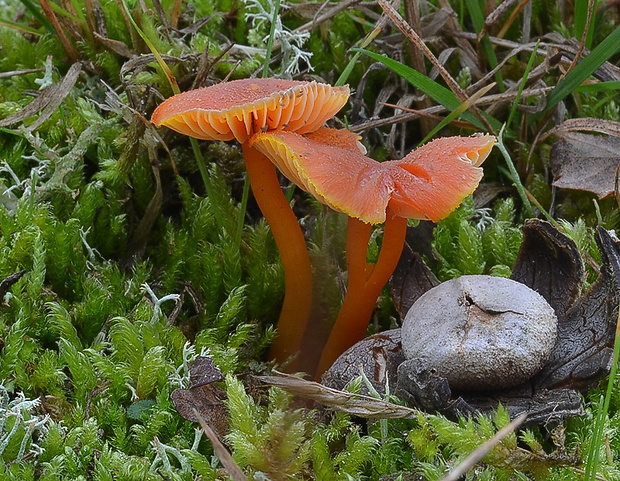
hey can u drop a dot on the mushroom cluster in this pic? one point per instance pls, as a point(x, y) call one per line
point(279, 123)
point(238, 110)
point(428, 183)
point(460, 378)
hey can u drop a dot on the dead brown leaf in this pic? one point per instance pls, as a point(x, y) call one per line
point(47, 102)
point(356, 404)
point(585, 162)
point(203, 397)
point(115, 46)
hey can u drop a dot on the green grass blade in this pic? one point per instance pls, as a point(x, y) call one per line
point(438, 93)
point(456, 113)
point(21, 28)
point(610, 86)
point(36, 13)
point(599, 55)
point(514, 175)
point(581, 17)
point(160, 61)
point(344, 76)
point(272, 30)
point(597, 435)
point(528, 67)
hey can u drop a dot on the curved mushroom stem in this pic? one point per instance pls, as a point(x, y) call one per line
point(293, 251)
point(361, 297)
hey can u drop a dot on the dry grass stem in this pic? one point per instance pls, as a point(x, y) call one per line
point(232, 468)
point(480, 452)
point(355, 404)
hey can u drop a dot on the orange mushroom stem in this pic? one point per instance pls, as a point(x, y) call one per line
point(360, 299)
point(238, 110)
point(291, 244)
point(429, 183)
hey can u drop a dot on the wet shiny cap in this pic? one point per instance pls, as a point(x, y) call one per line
point(429, 183)
point(241, 108)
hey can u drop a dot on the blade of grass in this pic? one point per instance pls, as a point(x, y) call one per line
point(514, 175)
point(21, 28)
point(599, 55)
point(160, 61)
point(457, 112)
point(582, 15)
point(597, 435)
point(242, 209)
point(274, 19)
point(539, 206)
point(36, 13)
point(438, 93)
point(528, 67)
point(612, 85)
point(344, 76)
point(585, 34)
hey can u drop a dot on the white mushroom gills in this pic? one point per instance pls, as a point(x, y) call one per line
point(480, 332)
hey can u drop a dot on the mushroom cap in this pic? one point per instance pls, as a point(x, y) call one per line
point(480, 332)
point(238, 109)
point(429, 183)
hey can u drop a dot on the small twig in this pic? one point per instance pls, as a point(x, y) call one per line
point(437, 109)
point(232, 468)
point(483, 450)
point(338, 7)
point(14, 73)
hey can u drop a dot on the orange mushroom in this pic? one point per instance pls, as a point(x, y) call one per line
point(429, 183)
point(238, 110)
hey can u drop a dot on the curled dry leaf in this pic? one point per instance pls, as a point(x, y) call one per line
point(585, 162)
point(585, 124)
point(203, 397)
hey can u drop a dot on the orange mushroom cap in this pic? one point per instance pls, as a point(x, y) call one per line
point(429, 183)
point(241, 108)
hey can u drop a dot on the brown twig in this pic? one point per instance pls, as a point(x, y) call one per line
point(70, 50)
point(512, 17)
point(483, 450)
point(232, 468)
point(437, 109)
